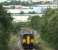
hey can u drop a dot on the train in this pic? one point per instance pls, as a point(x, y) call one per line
point(27, 39)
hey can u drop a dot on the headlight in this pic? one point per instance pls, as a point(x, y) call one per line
point(32, 40)
point(28, 39)
point(24, 40)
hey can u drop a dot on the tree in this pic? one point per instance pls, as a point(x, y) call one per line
point(5, 26)
point(17, 27)
point(33, 12)
point(22, 12)
point(15, 2)
point(49, 27)
point(35, 22)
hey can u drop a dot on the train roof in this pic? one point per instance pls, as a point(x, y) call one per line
point(28, 31)
point(25, 32)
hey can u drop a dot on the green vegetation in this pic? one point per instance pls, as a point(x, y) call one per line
point(47, 26)
point(13, 42)
point(5, 28)
point(14, 2)
point(33, 12)
point(34, 22)
point(22, 12)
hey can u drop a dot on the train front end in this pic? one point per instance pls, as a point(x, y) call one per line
point(28, 41)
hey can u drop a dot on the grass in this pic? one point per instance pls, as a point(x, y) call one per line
point(42, 44)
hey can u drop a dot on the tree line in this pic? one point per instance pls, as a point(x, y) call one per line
point(47, 25)
point(13, 2)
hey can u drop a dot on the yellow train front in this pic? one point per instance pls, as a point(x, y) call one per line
point(28, 41)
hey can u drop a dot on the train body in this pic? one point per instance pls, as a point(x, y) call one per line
point(27, 39)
